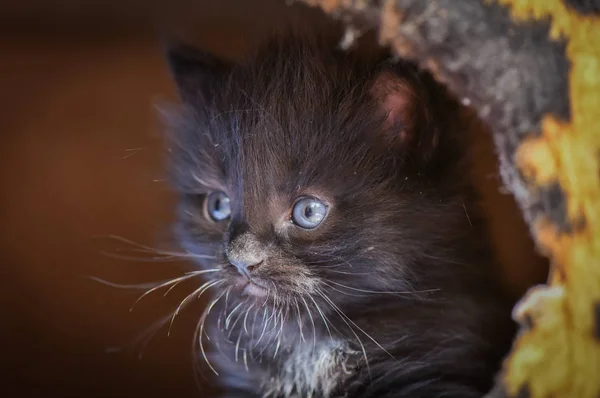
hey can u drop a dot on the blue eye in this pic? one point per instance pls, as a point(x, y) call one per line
point(218, 206)
point(308, 213)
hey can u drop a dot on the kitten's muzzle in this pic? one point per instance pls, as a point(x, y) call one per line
point(251, 288)
point(246, 264)
point(245, 253)
point(243, 266)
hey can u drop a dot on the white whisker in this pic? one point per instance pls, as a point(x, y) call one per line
point(312, 321)
point(383, 292)
point(467, 213)
point(263, 330)
point(155, 259)
point(228, 319)
point(200, 180)
point(144, 338)
point(237, 318)
point(140, 286)
point(227, 298)
point(299, 323)
point(364, 351)
point(152, 250)
point(254, 324)
point(246, 360)
point(172, 281)
point(355, 325)
point(322, 316)
point(204, 287)
point(341, 291)
point(246, 319)
point(347, 273)
point(277, 347)
point(171, 254)
point(237, 346)
point(199, 332)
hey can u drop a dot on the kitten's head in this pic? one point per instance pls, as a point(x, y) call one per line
point(306, 169)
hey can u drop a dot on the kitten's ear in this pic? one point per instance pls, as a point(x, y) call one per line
point(196, 73)
point(407, 125)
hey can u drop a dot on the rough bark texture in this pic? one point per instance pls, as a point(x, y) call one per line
point(531, 69)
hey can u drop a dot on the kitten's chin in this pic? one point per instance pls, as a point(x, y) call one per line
point(246, 287)
point(252, 289)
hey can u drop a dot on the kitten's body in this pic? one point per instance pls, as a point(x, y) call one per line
point(393, 295)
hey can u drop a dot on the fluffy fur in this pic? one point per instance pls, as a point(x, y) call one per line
point(392, 295)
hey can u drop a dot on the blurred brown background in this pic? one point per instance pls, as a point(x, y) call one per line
point(81, 158)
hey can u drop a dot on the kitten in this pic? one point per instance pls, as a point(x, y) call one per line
point(326, 196)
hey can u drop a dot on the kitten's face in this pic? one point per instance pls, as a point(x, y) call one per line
point(287, 215)
point(290, 183)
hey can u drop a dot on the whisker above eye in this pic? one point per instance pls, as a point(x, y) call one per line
point(212, 120)
point(199, 180)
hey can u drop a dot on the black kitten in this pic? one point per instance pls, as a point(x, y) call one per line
point(326, 195)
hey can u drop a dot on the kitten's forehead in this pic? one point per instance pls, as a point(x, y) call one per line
point(270, 159)
point(278, 144)
point(279, 128)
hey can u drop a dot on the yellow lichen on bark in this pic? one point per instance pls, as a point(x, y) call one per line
point(560, 355)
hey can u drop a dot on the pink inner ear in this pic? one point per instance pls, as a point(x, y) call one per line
point(398, 100)
point(395, 106)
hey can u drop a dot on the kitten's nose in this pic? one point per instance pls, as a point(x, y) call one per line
point(244, 266)
point(245, 253)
